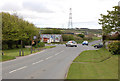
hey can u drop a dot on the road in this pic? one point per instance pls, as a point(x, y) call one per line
point(48, 64)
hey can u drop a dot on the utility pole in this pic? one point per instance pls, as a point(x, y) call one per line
point(70, 24)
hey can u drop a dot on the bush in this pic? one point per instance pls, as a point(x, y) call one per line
point(78, 39)
point(41, 44)
point(13, 46)
point(68, 37)
point(81, 35)
point(4, 46)
point(114, 47)
point(27, 42)
point(18, 46)
point(88, 38)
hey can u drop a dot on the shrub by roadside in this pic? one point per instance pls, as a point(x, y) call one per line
point(5, 46)
point(68, 37)
point(114, 47)
point(41, 44)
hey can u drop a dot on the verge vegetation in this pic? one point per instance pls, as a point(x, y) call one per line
point(94, 64)
point(13, 53)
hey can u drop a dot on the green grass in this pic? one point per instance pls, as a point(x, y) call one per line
point(46, 47)
point(5, 58)
point(13, 53)
point(94, 64)
point(93, 56)
point(57, 42)
point(97, 38)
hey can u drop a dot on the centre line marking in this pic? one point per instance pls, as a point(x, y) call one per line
point(18, 69)
point(55, 55)
point(49, 57)
point(59, 52)
point(37, 62)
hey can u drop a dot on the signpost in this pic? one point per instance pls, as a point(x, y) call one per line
point(34, 37)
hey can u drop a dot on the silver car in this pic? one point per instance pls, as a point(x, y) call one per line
point(71, 43)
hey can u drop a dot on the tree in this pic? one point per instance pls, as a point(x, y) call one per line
point(16, 29)
point(110, 22)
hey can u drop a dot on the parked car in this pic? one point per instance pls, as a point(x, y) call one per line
point(98, 45)
point(85, 43)
point(71, 44)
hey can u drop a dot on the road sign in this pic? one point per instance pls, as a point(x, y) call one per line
point(34, 37)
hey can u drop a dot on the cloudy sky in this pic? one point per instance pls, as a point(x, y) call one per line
point(55, 13)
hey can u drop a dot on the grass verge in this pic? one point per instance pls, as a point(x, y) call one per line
point(13, 53)
point(46, 47)
point(5, 58)
point(94, 64)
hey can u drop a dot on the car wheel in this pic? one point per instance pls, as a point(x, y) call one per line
point(96, 47)
point(75, 45)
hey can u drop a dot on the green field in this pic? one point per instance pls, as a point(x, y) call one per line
point(97, 38)
point(94, 64)
point(13, 53)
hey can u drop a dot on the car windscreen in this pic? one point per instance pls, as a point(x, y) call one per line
point(73, 42)
point(69, 41)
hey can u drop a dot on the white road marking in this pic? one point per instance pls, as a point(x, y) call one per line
point(37, 62)
point(59, 53)
point(18, 69)
point(49, 57)
point(56, 54)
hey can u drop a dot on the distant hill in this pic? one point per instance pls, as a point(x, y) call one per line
point(90, 31)
point(80, 30)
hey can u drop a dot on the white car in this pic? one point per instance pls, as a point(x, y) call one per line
point(85, 43)
point(71, 43)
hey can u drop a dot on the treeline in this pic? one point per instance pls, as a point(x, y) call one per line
point(16, 31)
point(52, 31)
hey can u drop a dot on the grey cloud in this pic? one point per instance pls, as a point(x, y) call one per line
point(10, 7)
point(37, 6)
point(89, 22)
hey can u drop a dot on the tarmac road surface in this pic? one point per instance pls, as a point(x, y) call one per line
point(48, 64)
